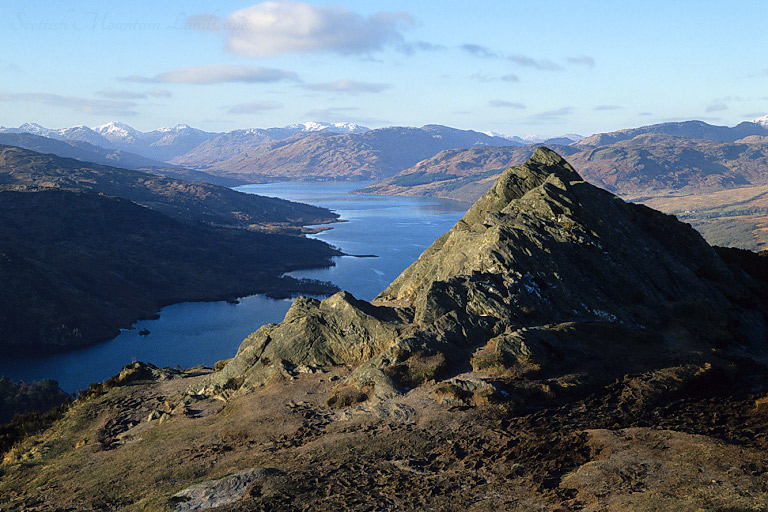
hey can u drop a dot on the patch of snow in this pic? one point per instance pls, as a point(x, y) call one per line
point(761, 121)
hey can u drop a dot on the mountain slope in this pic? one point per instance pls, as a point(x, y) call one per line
point(373, 154)
point(21, 169)
point(173, 143)
point(88, 249)
point(115, 157)
point(714, 185)
point(685, 129)
point(558, 348)
point(77, 266)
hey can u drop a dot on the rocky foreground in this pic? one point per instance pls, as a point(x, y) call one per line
point(558, 349)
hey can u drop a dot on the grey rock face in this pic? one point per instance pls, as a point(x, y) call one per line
point(215, 493)
point(546, 278)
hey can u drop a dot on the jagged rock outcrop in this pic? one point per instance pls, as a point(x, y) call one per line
point(548, 285)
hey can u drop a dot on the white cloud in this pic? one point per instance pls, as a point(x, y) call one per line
point(216, 74)
point(84, 105)
point(348, 86)
point(276, 28)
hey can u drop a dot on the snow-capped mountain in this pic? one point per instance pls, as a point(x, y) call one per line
point(118, 132)
point(312, 126)
point(80, 134)
point(73, 134)
point(535, 139)
point(33, 128)
point(761, 121)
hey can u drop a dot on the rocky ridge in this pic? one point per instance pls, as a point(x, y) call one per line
point(547, 286)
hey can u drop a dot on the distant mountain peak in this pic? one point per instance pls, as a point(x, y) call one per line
point(316, 126)
point(761, 121)
point(179, 127)
point(118, 132)
point(33, 128)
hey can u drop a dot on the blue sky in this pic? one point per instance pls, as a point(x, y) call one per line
point(537, 67)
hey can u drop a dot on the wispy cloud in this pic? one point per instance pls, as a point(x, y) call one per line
point(582, 60)
point(505, 104)
point(716, 106)
point(482, 77)
point(607, 107)
point(543, 64)
point(255, 107)
point(84, 105)
point(217, 74)
point(277, 28)
point(348, 86)
point(159, 93)
point(552, 115)
point(478, 50)
point(419, 46)
point(484, 52)
point(122, 95)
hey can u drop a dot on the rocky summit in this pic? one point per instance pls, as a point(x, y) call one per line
point(557, 349)
point(547, 286)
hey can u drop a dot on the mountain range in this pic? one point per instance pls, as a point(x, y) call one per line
point(682, 168)
point(258, 154)
point(685, 168)
point(557, 349)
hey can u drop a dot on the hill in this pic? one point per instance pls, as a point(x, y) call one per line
point(77, 266)
point(21, 169)
point(113, 157)
point(557, 349)
point(87, 249)
point(684, 129)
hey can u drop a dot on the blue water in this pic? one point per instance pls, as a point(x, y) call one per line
point(395, 229)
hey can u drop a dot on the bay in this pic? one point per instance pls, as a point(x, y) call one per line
point(395, 230)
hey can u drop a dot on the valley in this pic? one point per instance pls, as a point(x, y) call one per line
point(557, 348)
point(317, 255)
